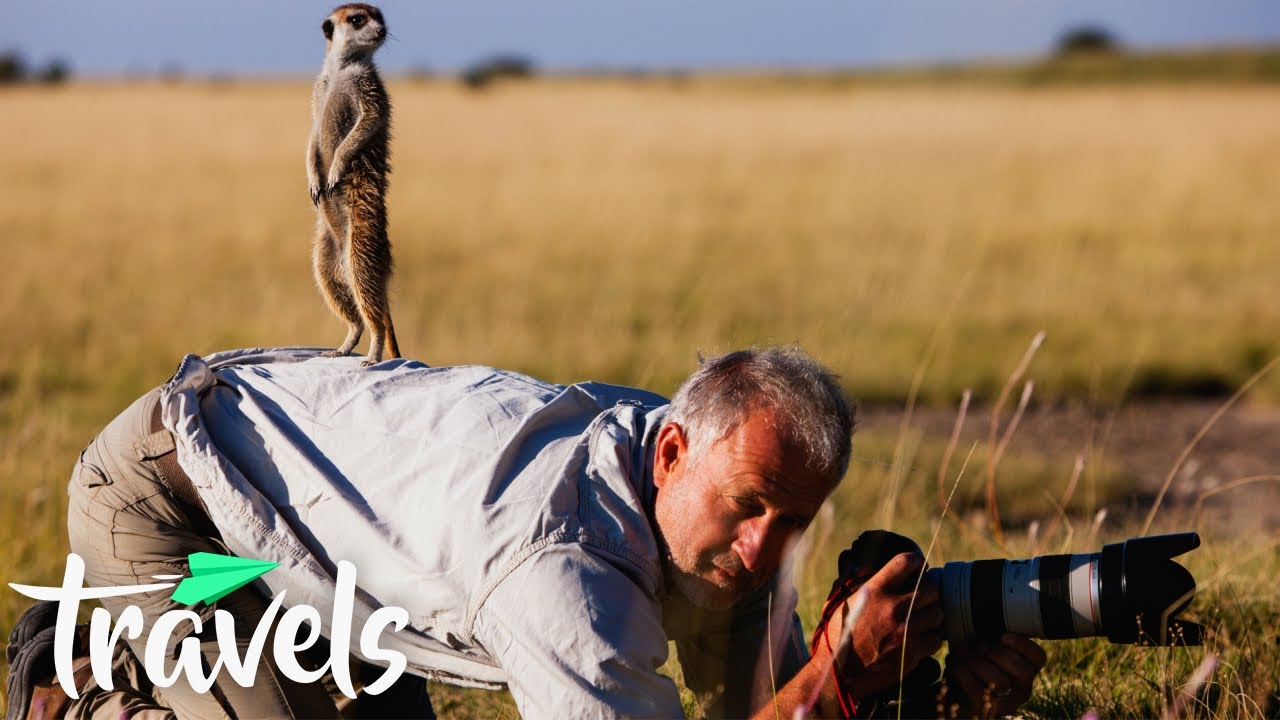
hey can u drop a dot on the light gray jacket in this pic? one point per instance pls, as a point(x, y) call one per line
point(510, 517)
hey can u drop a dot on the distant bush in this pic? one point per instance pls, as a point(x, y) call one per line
point(12, 68)
point(500, 67)
point(1088, 39)
point(55, 73)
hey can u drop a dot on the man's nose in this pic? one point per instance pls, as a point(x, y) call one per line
point(759, 542)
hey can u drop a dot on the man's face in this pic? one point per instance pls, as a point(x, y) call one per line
point(727, 517)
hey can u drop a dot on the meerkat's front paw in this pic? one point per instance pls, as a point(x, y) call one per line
point(334, 353)
point(316, 192)
point(335, 179)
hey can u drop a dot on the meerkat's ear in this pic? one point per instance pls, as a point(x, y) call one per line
point(328, 29)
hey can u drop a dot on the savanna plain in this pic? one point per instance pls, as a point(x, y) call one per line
point(916, 239)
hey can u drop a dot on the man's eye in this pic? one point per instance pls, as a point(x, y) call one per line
point(745, 503)
point(796, 523)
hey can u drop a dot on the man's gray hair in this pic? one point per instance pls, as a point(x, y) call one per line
point(810, 406)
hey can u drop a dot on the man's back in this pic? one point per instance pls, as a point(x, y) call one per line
point(436, 483)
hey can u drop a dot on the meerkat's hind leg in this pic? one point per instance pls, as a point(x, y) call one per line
point(377, 340)
point(379, 320)
point(353, 338)
point(332, 280)
point(393, 347)
point(370, 271)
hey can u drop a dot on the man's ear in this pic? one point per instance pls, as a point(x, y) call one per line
point(671, 453)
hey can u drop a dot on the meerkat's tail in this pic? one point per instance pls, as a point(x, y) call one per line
point(392, 347)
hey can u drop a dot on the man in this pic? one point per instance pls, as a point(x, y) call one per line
point(549, 538)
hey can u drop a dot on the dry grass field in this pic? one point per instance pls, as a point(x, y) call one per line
point(910, 237)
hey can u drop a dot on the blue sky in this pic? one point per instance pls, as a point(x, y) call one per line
point(255, 37)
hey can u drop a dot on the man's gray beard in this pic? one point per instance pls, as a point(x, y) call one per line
point(695, 590)
point(692, 587)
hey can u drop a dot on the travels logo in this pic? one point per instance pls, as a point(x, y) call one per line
point(213, 577)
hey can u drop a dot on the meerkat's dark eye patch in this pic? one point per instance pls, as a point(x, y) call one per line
point(357, 20)
point(327, 27)
point(376, 15)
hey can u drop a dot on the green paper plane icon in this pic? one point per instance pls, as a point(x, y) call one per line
point(213, 577)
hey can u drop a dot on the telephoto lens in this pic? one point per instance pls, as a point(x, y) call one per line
point(1128, 592)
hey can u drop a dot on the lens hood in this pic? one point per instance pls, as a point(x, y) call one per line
point(1141, 588)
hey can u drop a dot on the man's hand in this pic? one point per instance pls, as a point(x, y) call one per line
point(989, 679)
point(889, 627)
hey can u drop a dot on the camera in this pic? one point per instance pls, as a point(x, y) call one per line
point(1128, 592)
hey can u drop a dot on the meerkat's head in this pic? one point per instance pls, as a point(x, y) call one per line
point(354, 29)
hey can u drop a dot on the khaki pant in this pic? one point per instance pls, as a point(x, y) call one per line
point(128, 527)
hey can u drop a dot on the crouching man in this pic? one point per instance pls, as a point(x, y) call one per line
point(547, 538)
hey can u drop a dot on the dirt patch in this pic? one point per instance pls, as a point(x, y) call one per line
point(1234, 469)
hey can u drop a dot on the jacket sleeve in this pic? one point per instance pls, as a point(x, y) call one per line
point(578, 637)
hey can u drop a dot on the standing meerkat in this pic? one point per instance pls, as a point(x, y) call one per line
point(348, 159)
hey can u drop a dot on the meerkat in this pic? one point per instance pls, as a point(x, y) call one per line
point(348, 159)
